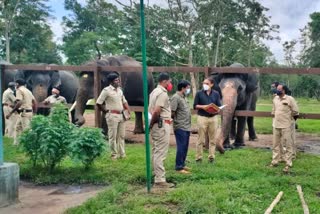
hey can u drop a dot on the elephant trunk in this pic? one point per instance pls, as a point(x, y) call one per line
point(229, 99)
point(83, 95)
point(40, 93)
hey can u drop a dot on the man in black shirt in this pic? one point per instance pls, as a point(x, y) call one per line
point(207, 122)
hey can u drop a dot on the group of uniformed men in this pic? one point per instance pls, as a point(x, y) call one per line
point(18, 110)
point(19, 105)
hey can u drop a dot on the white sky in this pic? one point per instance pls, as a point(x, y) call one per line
point(291, 15)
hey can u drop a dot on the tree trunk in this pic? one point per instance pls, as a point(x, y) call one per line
point(190, 64)
point(7, 42)
point(217, 47)
point(249, 52)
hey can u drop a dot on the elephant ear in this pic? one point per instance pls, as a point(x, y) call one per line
point(20, 75)
point(252, 83)
point(55, 79)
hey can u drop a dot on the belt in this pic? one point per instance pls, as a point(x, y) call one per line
point(115, 111)
point(167, 121)
point(25, 110)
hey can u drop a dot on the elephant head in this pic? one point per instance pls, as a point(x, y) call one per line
point(39, 82)
point(236, 90)
point(85, 91)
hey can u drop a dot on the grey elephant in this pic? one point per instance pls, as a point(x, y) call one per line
point(131, 82)
point(40, 83)
point(239, 91)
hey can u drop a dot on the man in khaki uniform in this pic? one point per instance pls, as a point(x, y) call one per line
point(8, 101)
point(284, 110)
point(25, 105)
point(159, 108)
point(55, 97)
point(115, 103)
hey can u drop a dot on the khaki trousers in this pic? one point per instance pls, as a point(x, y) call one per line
point(23, 122)
point(282, 137)
point(210, 125)
point(116, 134)
point(11, 122)
point(293, 136)
point(160, 139)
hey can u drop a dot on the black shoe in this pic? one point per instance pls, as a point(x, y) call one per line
point(211, 160)
point(199, 161)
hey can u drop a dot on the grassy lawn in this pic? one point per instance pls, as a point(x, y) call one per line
point(239, 182)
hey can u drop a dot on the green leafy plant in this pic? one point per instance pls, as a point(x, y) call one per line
point(87, 145)
point(48, 138)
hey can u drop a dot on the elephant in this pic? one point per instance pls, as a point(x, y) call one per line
point(239, 91)
point(132, 85)
point(40, 83)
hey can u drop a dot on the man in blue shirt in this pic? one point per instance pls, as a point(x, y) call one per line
point(207, 122)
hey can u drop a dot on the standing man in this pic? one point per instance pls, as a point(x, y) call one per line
point(8, 101)
point(284, 110)
point(55, 97)
point(159, 107)
point(25, 106)
point(114, 105)
point(207, 122)
point(181, 115)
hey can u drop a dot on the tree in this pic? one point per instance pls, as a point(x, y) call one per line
point(28, 37)
point(92, 30)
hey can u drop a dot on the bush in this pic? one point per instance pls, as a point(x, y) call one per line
point(48, 138)
point(88, 144)
point(52, 138)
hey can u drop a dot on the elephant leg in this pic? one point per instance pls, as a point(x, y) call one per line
point(239, 141)
point(138, 128)
point(233, 128)
point(206, 142)
point(226, 143)
point(252, 132)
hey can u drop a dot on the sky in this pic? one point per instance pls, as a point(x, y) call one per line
point(291, 15)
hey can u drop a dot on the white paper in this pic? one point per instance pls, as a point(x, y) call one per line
point(222, 107)
point(149, 117)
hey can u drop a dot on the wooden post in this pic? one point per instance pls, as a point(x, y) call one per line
point(206, 72)
point(303, 202)
point(97, 89)
point(274, 203)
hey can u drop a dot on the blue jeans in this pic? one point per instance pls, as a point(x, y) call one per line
point(182, 140)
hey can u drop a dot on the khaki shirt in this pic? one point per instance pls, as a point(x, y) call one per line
point(112, 97)
point(159, 97)
point(25, 96)
point(181, 107)
point(53, 99)
point(283, 110)
point(8, 97)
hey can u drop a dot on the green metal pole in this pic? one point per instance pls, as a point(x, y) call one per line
point(145, 94)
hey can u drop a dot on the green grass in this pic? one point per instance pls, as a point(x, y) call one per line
point(239, 182)
point(264, 125)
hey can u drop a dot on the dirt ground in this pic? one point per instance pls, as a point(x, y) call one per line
point(55, 199)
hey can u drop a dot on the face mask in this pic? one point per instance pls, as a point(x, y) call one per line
point(169, 87)
point(187, 91)
point(206, 87)
point(273, 91)
point(279, 92)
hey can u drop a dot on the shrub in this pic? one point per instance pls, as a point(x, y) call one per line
point(48, 138)
point(52, 138)
point(87, 145)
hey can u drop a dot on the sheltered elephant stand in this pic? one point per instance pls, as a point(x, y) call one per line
point(12, 172)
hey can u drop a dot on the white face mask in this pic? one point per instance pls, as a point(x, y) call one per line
point(205, 87)
point(187, 91)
